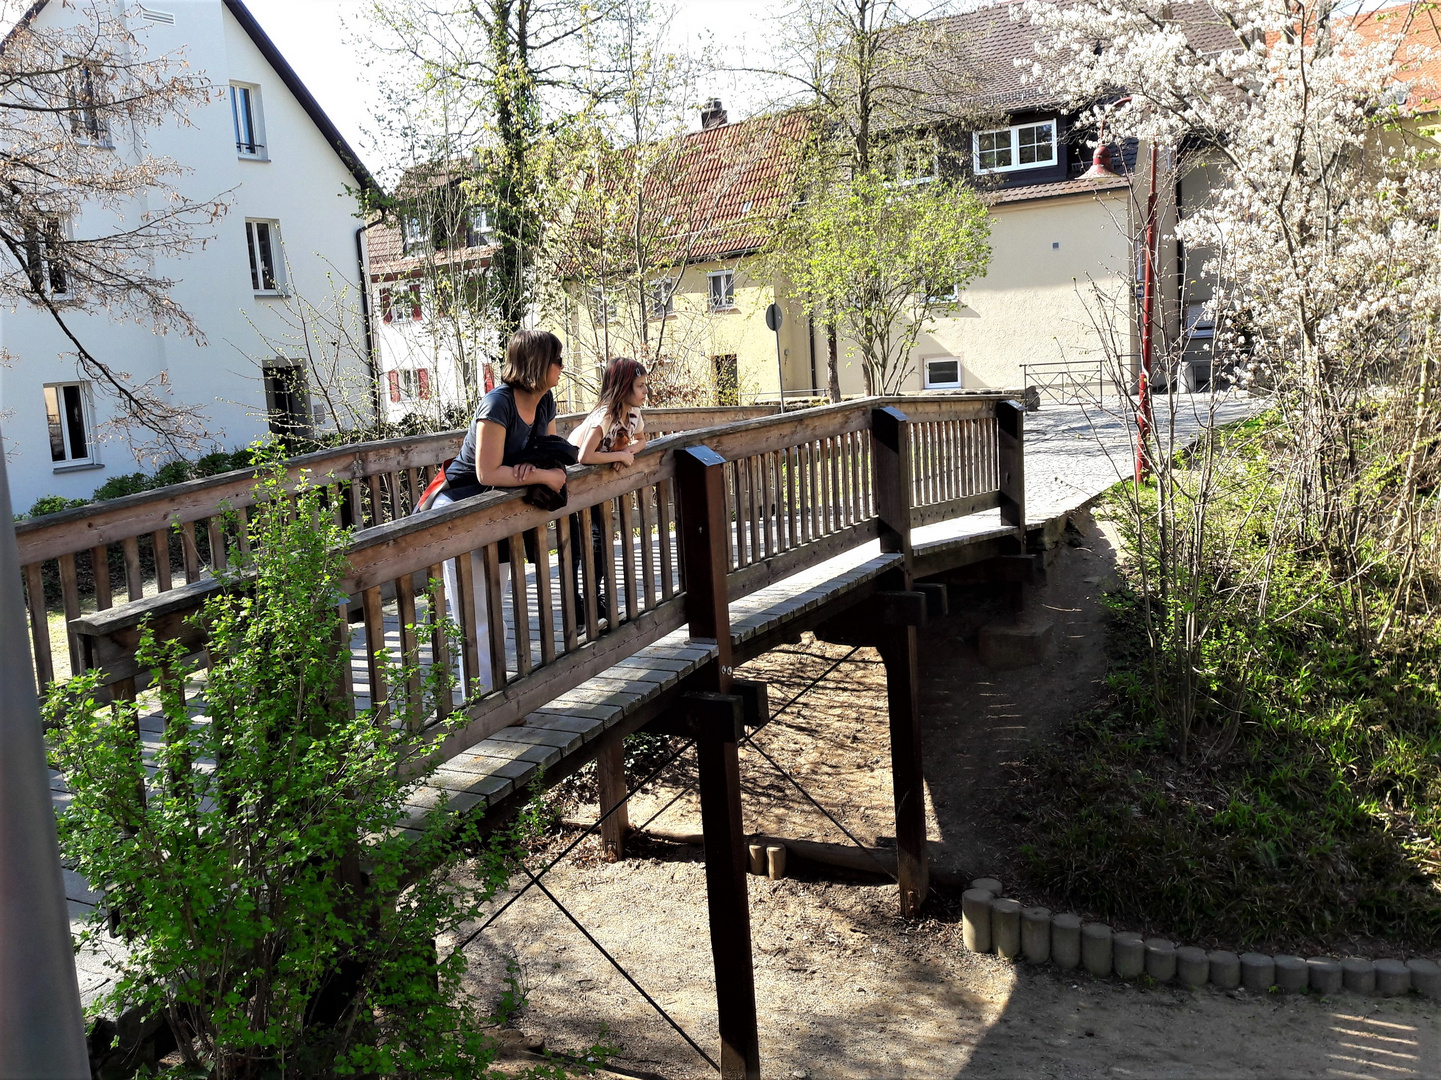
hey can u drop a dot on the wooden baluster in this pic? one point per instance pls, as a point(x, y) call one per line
point(853, 441)
point(70, 594)
point(215, 529)
point(792, 463)
point(344, 643)
point(495, 611)
point(565, 557)
point(645, 499)
point(470, 627)
point(160, 542)
point(607, 559)
point(627, 558)
point(439, 642)
point(190, 552)
point(774, 521)
point(134, 580)
point(520, 604)
point(767, 499)
point(588, 572)
point(39, 625)
point(100, 567)
point(377, 501)
point(375, 650)
point(397, 497)
point(242, 530)
point(410, 650)
point(738, 542)
point(755, 475)
point(356, 503)
point(813, 490)
point(417, 485)
point(837, 496)
point(545, 605)
point(663, 528)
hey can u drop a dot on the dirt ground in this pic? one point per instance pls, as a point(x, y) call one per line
point(844, 986)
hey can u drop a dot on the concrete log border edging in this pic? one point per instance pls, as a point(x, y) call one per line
point(995, 923)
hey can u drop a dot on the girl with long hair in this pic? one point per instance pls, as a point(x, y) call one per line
point(613, 434)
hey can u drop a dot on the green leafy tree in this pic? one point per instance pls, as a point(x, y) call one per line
point(884, 257)
point(272, 909)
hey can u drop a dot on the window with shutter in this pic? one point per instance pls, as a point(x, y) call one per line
point(394, 385)
point(415, 313)
point(386, 311)
point(422, 382)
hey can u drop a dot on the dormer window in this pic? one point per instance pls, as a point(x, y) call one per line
point(248, 124)
point(1021, 146)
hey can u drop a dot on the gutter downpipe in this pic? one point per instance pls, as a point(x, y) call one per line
point(1144, 417)
point(811, 322)
point(42, 1028)
point(363, 261)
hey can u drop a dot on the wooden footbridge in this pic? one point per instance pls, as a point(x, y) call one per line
point(725, 541)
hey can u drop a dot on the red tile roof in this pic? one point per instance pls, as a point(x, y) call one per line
point(1419, 52)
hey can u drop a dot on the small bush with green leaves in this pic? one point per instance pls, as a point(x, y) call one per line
point(272, 909)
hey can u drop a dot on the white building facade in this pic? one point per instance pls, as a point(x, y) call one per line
point(289, 242)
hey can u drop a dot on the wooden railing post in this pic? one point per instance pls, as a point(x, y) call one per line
point(716, 727)
point(1011, 462)
point(700, 490)
point(891, 478)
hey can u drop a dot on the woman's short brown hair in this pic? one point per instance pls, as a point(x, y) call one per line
point(528, 358)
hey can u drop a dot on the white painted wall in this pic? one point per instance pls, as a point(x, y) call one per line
point(1036, 302)
point(302, 185)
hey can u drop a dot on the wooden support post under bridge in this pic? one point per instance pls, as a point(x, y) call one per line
point(714, 717)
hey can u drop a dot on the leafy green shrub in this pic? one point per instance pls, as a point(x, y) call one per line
point(273, 912)
point(220, 461)
point(174, 472)
point(53, 504)
point(126, 484)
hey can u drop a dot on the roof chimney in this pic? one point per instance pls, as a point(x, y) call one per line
point(712, 115)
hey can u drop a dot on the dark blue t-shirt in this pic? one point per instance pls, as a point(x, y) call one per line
point(498, 407)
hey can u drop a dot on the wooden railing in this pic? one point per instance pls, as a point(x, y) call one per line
point(137, 545)
point(799, 489)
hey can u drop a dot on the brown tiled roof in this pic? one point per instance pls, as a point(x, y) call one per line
point(729, 185)
point(1054, 189)
point(1419, 53)
point(968, 63)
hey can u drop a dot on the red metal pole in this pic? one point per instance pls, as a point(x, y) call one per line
point(1144, 419)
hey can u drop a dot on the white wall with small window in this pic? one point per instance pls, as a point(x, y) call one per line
point(248, 121)
point(267, 258)
point(68, 415)
point(722, 289)
point(944, 372)
point(1020, 146)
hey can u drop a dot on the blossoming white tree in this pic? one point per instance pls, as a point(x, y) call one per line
point(1322, 230)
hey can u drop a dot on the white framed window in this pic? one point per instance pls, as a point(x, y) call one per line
point(602, 305)
point(267, 260)
point(479, 229)
point(1021, 146)
point(722, 289)
point(943, 373)
point(914, 162)
point(940, 292)
point(44, 252)
point(68, 417)
point(85, 84)
point(660, 298)
point(416, 234)
point(248, 121)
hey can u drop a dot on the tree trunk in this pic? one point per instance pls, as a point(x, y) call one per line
point(833, 374)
